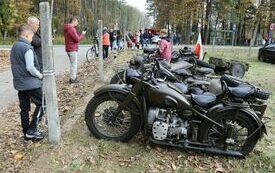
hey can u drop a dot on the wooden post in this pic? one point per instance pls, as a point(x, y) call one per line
point(214, 42)
point(233, 39)
point(49, 84)
point(100, 68)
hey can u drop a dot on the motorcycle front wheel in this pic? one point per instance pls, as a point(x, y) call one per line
point(241, 139)
point(106, 122)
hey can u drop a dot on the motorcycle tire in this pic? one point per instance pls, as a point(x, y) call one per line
point(118, 78)
point(90, 115)
point(237, 70)
point(243, 120)
point(205, 64)
point(231, 81)
point(261, 94)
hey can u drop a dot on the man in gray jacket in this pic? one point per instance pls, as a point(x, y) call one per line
point(27, 81)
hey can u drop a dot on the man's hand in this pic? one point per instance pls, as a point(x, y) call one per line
point(41, 76)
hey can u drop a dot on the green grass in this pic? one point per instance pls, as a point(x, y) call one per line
point(8, 41)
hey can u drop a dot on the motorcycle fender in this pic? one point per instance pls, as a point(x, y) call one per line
point(117, 88)
point(262, 130)
point(251, 113)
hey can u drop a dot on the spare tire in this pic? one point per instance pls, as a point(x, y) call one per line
point(261, 94)
point(205, 64)
point(237, 70)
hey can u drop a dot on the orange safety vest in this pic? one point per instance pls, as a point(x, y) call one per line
point(106, 39)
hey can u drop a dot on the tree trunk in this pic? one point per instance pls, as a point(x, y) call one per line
point(202, 21)
point(208, 21)
point(252, 41)
point(5, 35)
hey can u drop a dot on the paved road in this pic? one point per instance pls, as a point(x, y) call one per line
point(7, 93)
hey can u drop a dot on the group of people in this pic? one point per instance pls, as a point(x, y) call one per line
point(139, 39)
point(27, 64)
point(113, 40)
point(27, 70)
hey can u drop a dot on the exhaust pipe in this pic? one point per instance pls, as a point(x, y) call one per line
point(200, 147)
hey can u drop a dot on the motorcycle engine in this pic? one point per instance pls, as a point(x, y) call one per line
point(167, 125)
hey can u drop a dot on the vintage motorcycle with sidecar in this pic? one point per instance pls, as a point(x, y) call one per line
point(167, 116)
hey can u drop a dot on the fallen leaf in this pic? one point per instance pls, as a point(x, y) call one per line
point(92, 148)
point(81, 167)
point(18, 156)
point(219, 170)
point(103, 156)
point(37, 144)
point(174, 167)
point(14, 152)
point(91, 160)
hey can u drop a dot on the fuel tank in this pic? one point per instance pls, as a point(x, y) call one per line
point(166, 95)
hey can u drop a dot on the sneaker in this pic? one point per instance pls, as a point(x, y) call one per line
point(74, 81)
point(34, 134)
point(27, 138)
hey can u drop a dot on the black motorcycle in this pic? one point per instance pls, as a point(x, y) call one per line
point(184, 67)
point(199, 122)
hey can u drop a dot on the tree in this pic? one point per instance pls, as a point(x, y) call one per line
point(7, 17)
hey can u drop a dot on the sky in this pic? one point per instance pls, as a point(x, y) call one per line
point(139, 4)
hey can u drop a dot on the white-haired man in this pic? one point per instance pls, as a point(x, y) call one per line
point(33, 22)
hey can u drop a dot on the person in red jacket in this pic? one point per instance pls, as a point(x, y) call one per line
point(72, 39)
point(165, 46)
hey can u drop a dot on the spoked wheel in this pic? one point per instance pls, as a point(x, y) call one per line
point(242, 127)
point(91, 54)
point(105, 121)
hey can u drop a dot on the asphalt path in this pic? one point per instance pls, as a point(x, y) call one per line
point(8, 94)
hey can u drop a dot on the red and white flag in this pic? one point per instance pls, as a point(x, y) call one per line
point(198, 48)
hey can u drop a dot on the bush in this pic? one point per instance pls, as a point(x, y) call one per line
point(8, 41)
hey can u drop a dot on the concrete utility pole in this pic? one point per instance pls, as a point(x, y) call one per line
point(49, 84)
point(100, 68)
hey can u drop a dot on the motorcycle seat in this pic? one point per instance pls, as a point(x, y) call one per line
point(194, 82)
point(187, 53)
point(182, 72)
point(182, 87)
point(241, 91)
point(180, 65)
point(204, 70)
point(203, 99)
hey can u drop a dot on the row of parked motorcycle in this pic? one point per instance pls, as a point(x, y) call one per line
point(181, 104)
